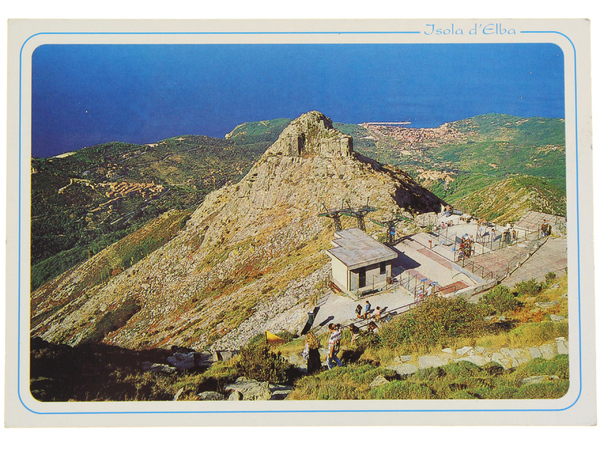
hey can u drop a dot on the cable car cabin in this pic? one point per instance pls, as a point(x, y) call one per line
point(358, 262)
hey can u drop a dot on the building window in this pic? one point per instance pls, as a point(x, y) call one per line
point(382, 268)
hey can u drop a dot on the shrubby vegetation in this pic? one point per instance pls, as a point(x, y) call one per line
point(501, 299)
point(257, 361)
point(437, 320)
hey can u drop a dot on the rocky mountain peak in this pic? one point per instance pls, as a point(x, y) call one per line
point(311, 134)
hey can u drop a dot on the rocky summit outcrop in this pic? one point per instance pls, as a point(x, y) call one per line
point(250, 254)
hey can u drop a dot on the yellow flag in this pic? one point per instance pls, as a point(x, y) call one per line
point(272, 338)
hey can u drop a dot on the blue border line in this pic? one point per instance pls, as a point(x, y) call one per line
point(289, 411)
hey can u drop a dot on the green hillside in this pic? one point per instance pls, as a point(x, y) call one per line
point(461, 158)
point(507, 200)
point(91, 198)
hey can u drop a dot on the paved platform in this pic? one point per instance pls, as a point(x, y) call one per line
point(551, 257)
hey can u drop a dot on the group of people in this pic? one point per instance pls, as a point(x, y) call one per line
point(368, 311)
point(466, 248)
point(312, 345)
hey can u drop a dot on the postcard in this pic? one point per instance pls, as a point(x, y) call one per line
point(300, 222)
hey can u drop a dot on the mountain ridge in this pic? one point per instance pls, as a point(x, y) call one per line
point(247, 245)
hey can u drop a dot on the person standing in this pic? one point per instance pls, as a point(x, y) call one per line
point(367, 309)
point(334, 346)
point(358, 311)
point(355, 331)
point(311, 353)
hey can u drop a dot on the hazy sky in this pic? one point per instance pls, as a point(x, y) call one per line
point(90, 94)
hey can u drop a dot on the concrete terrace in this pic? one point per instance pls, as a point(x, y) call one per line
point(426, 258)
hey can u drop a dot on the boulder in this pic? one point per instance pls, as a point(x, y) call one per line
point(557, 318)
point(464, 350)
point(535, 353)
point(158, 368)
point(548, 351)
point(447, 350)
point(478, 360)
point(296, 360)
point(501, 360)
point(250, 390)
point(211, 396)
point(562, 347)
point(378, 381)
point(182, 361)
point(430, 361)
point(279, 392)
point(404, 369)
point(235, 396)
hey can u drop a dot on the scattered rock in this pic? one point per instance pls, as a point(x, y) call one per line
point(557, 318)
point(378, 381)
point(211, 396)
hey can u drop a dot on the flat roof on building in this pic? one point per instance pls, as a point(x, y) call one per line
point(355, 249)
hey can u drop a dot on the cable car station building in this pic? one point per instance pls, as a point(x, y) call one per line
point(359, 263)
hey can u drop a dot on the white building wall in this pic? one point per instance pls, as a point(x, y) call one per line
point(339, 274)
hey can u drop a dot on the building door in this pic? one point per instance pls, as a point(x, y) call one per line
point(362, 278)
